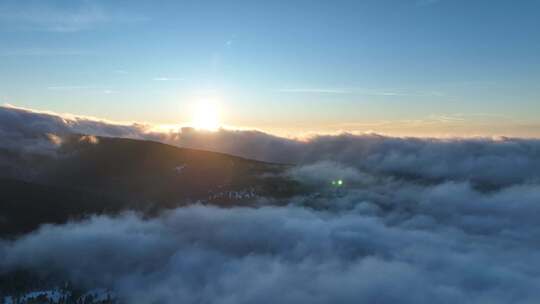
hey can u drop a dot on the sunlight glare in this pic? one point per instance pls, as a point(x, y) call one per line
point(206, 116)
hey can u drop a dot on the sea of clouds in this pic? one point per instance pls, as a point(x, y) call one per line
point(490, 161)
point(418, 220)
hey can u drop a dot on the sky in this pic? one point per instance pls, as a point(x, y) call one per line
point(407, 67)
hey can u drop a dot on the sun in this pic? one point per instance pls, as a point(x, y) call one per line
point(205, 116)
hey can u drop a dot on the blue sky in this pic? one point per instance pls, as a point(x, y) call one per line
point(407, 67)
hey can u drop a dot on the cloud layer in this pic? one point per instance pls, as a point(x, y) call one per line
point(489, 162)
point(416, 221)
point(291, 254)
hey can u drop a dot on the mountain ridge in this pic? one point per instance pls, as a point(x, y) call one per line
point(89, 175)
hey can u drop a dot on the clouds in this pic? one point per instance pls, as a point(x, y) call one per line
point(517, 160)
point(167, 78)
point(418, 220)
point(59, 17)
point(18, 124)
point(27, 136)
point(51, 18)
point(321, 173)
point(314, 91)
point(360, 91)
point(280, 254)
point(485, 162)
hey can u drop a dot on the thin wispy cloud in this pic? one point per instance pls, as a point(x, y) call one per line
point(362, 91)
point(402, 93)
point(314, 90)
point(69, 87)
point(48, 18)
point(97, 89)
point(384, 93)
point(53, 19)
point(43, 52)
point(447, 118)
point(441, 125)
point(477, 117)
point(168, 79)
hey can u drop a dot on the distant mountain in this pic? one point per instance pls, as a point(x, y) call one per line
point(93, 175)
